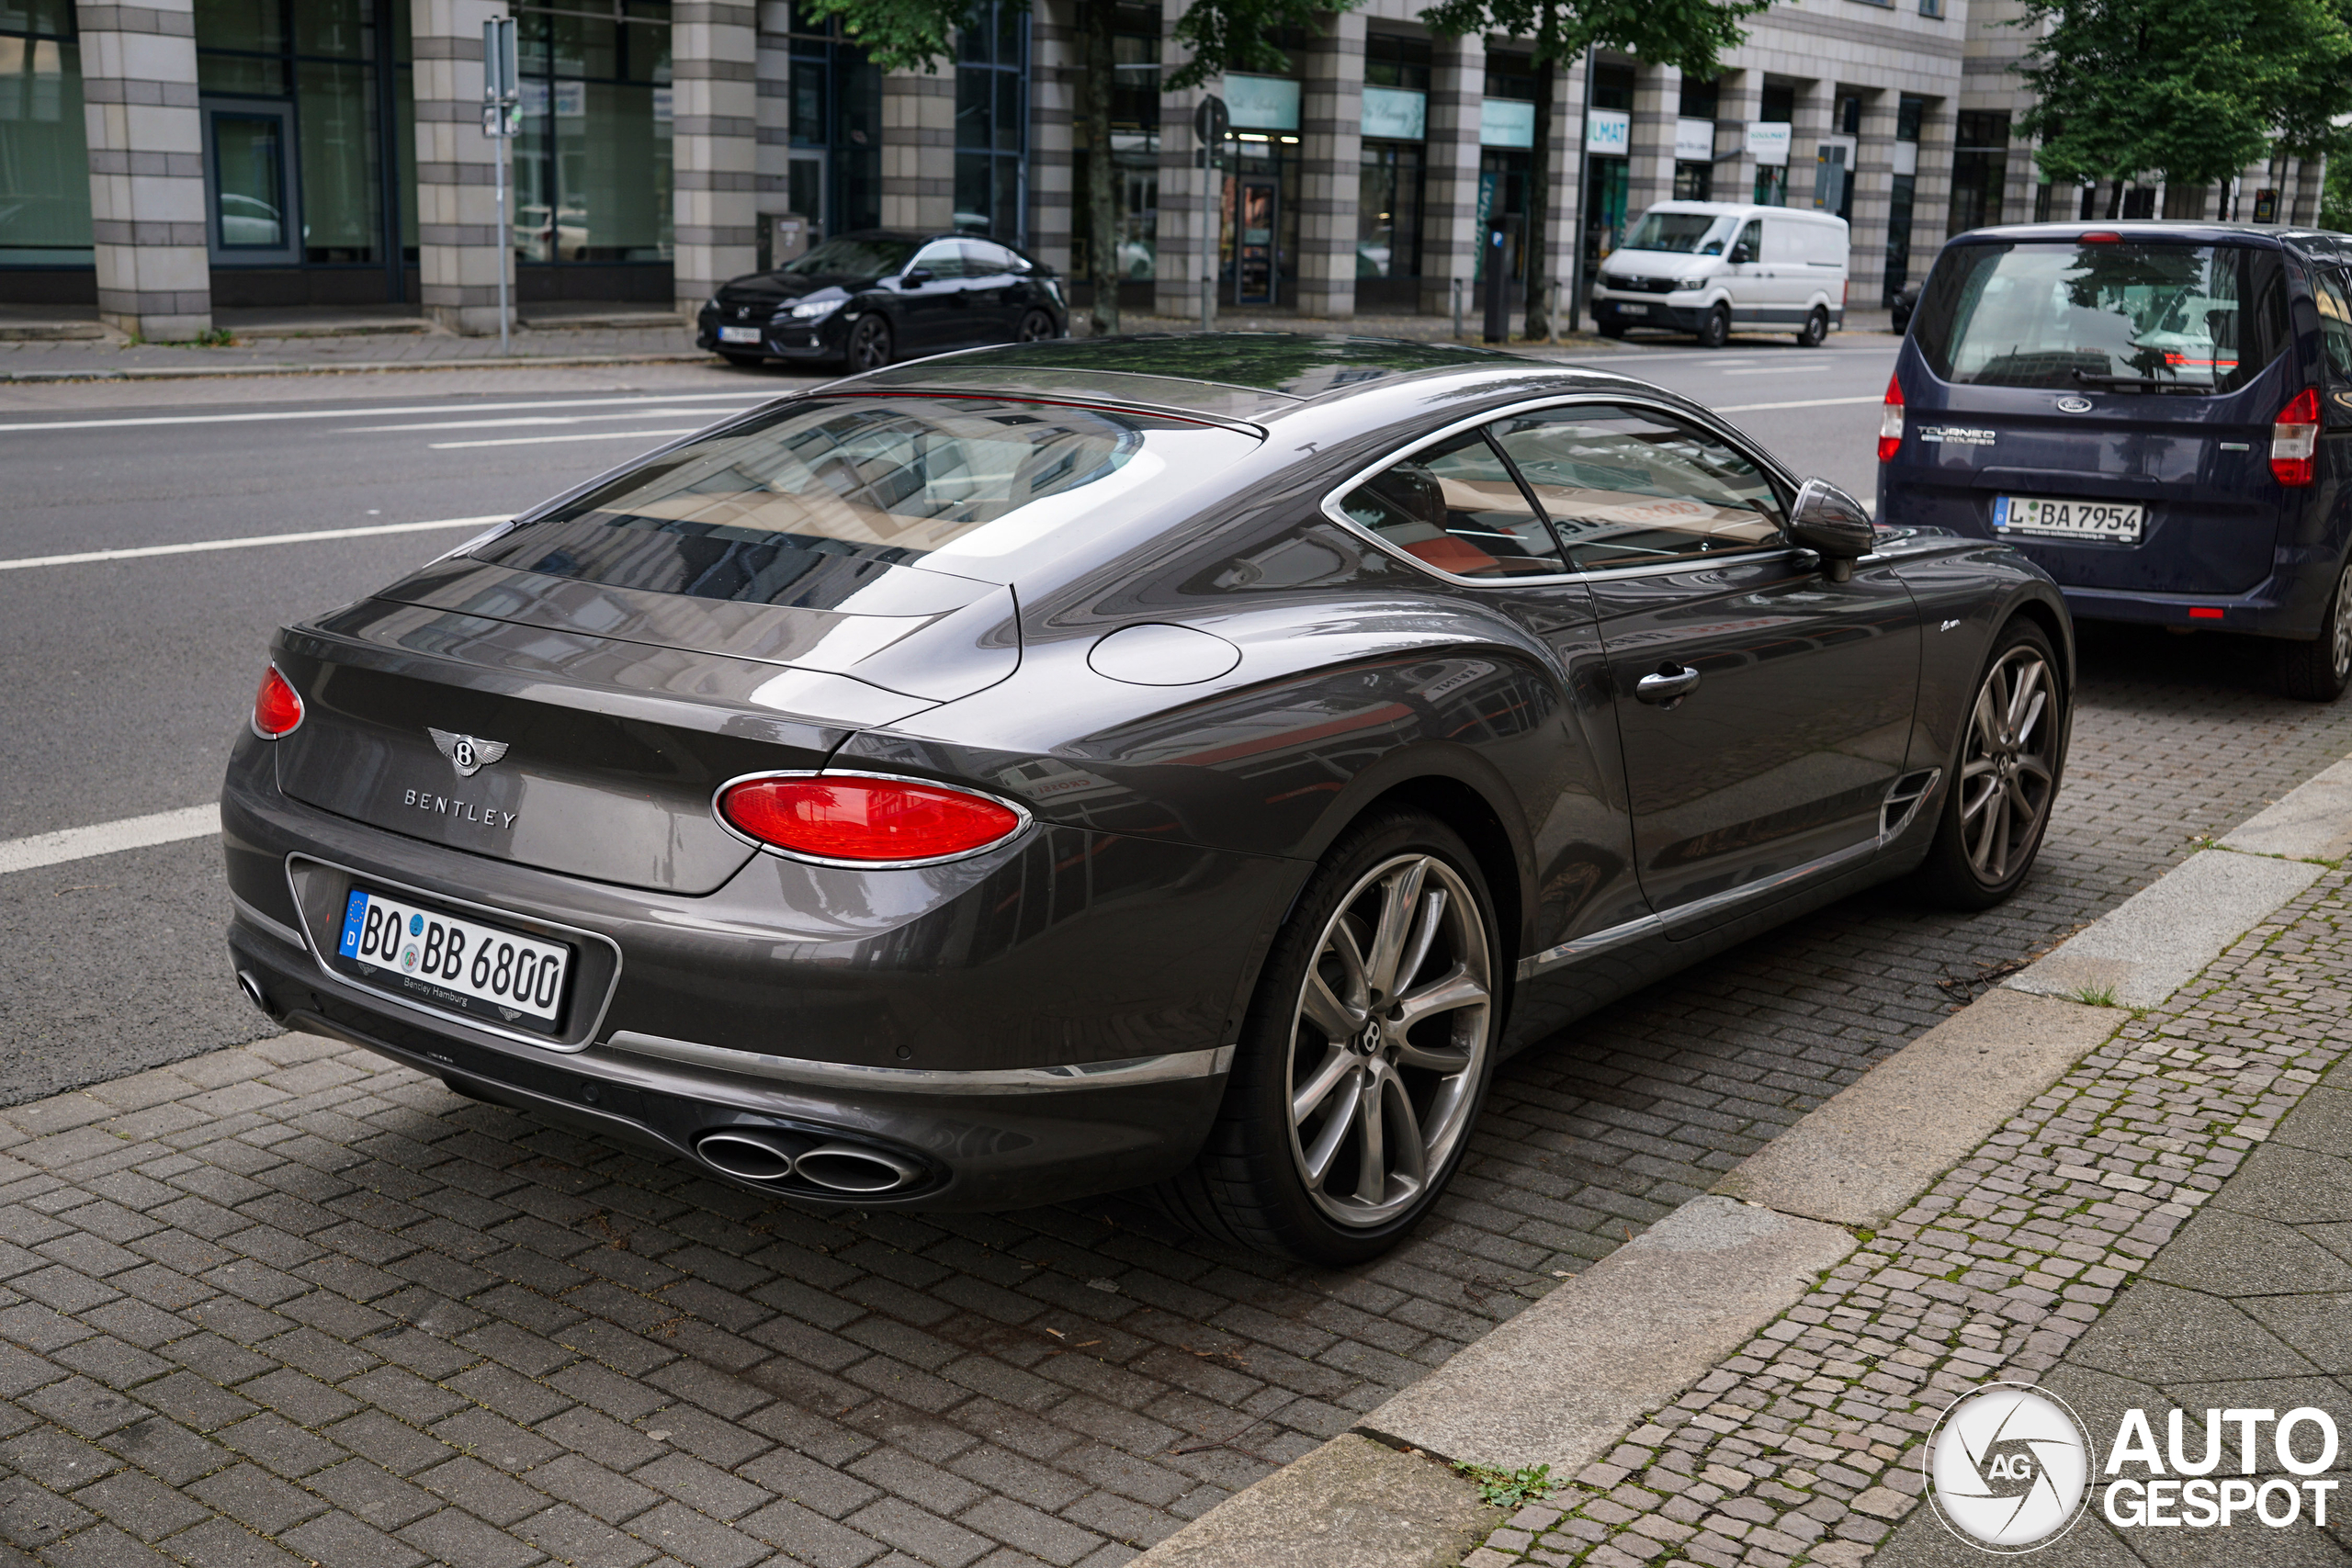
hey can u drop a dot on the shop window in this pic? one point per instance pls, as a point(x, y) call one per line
point(1695, 181)
point(1392, 61)
point(992, 122)
point(1701, 99)
point(591, 166)
point(297, 91)
point(1612, 87)
point(1135, 153)
point(44, 162)
point(1979, 164)
point(1512, 76)
point(833, 170)
point(1389, 211)
point(1910, 114)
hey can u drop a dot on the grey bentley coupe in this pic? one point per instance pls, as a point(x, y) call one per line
point(1175, 762)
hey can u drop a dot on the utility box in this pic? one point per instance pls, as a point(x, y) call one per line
point(788, 238)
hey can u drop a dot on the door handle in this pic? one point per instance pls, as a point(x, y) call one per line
point(1668, 686)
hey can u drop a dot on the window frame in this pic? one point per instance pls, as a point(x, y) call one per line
point(1784, 486)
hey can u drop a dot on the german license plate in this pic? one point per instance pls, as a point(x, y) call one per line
point(2067, 519)
point(739, 334)
point(428, 955)
point(1633, 309)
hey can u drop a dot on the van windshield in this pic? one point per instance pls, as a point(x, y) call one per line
point(2141, 316)
point(1678, 232)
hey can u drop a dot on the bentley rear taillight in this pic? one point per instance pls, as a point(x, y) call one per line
point(864, 820)
point(276, 706)
point(2294, 439)
point(1890, 421)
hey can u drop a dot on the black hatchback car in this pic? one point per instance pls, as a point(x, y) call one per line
point(2159, 414)
point(863, 300)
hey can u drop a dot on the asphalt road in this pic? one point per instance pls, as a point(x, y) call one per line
point(122, 681)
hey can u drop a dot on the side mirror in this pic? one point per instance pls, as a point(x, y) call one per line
point(917, 278)
point(1741, 256)
point(1828, 522)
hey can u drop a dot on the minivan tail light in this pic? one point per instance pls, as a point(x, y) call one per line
point(864, 819)
point(2102, 237)
point(1890, 420)
point(278, 707)
point(2294, 439)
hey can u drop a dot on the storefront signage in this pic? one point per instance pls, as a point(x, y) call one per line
point(1394, 114)
point(1608, 132)
point(1261, 103)
point(1694, 140)
point(1906, 158)
point(1768, 141)
point(1506, 122)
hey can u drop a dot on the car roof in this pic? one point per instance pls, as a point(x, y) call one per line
point(2164, 228)
point(1243, 375)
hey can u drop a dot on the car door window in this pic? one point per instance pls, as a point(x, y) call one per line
point(1751, 240)
point(2334, 322)
point(1456, 507)
point(1627, 487)
point(984, 259)
point(941, 258)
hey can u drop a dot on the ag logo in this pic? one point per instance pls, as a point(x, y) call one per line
point(465, 755)
point(2008, 1468)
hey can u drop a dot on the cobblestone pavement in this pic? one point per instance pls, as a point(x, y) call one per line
point(2175, 1165)
point(307, 1296)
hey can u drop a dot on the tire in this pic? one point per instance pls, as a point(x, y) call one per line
point(1611, 329)
point(2318, 670)
point(1715, 330)
point(1816, 329)
point(1370, 896)
point(1036, 327)
point(2003, 778)
point(744, 361)
point(869, 344)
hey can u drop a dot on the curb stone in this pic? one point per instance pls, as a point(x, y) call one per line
point(512, 362)
point(1482, 1395)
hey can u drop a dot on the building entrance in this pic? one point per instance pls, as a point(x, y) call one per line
point(249, 183)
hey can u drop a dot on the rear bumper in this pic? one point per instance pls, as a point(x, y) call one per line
point(1004, 1088)
point(2288, 603)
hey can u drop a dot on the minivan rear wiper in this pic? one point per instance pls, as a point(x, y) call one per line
point(2149, 383)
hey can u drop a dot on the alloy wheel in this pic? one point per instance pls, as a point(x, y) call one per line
point(1388, 1040)
point(1036, 327)
point(2006, 772)
point(869, 344)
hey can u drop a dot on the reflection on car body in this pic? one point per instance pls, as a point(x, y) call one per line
point(1185, 762)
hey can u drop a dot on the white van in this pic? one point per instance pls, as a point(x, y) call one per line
point(1709, 267)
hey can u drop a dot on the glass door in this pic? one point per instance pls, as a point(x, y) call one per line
point(1254, 280)
point(250, 214)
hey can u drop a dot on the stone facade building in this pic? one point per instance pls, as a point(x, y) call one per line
point(165, 160)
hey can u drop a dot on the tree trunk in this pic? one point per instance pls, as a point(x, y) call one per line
point(1103, 186)
point(1539, 194)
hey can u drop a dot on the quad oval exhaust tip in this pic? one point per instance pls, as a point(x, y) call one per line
point(754, 1153)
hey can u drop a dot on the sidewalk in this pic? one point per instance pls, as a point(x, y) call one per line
point(2162, 1227)
point(62, 345)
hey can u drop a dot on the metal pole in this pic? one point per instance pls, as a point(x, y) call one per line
point(1208, 238)
point(1457, 309)
point(1498, 284)
point(505, 246)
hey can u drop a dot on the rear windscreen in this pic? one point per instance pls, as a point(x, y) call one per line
point(2134, 316)
point(747, 511)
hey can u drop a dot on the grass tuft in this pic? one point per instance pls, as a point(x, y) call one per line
point(1510, 1488)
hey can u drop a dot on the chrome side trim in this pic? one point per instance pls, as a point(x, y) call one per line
point(278, 928)
point(1126, 1074)
point(1699, 908)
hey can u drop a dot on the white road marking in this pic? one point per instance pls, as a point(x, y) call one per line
point(1782, 369)
point(379, 414)
point(106, 838)
point(1799, 403)
point(527, 419)
point(198, 546)
point(543, 440)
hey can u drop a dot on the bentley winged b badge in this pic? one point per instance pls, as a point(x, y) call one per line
point(465, 755)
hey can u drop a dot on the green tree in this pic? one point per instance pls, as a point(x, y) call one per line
point(2194, 90)
point(1688, 34)
point(1239, 34)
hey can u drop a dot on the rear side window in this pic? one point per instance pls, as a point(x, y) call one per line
point(2142, 315)
point(2334, 320)
point(1456, 506)
point(1626, 487)
point(749, 511)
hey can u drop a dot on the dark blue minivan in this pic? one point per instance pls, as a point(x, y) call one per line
point(2159, 414)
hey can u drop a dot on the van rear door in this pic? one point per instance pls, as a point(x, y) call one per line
point(2132, 381)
